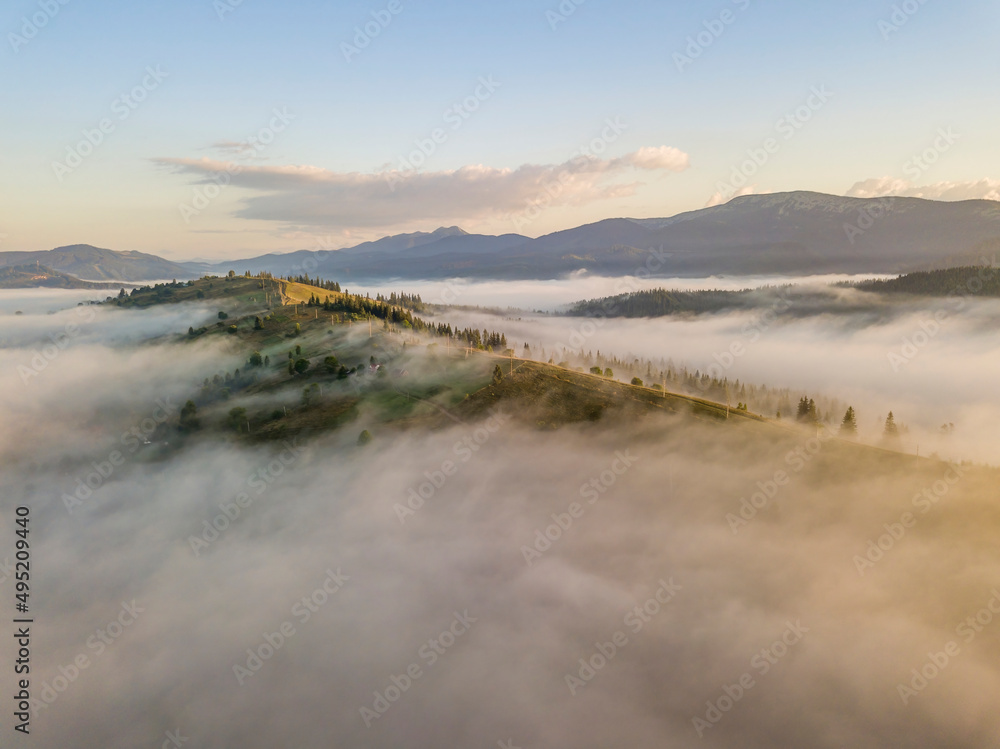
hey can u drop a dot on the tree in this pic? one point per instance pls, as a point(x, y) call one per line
point(608, 372)
point(237, 417)
point(497, 375)
point(301, 365)
point(637, 381)
point(891, 430)
point(189, 417)
point(267, 361)
point(364, 438)
point(807, 411)
point(298, 329)
point(231, 274)
point(596, 371)
point(298, 351)
point(121, 294)
point(232, 330)
point(310, 394)
point(258, 324)
point(291, 367)
point(255, 359)
point(849, 426)
point(331, 364)
point(222, 315)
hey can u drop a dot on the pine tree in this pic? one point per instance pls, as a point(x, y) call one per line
point(849, 426)
point(891, 430)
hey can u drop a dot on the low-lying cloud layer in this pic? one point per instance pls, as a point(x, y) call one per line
point(661, 582)
point(928, 362)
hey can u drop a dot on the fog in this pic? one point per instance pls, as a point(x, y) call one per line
point(799, 580)
point(557, 293)
point(927, 371)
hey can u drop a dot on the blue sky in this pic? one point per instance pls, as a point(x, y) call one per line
point(170, 176)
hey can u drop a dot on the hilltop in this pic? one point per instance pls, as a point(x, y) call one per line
point(38, 276)
point(335, 359)
point(90, 263)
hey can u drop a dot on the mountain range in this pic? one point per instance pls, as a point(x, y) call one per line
point(782, 233)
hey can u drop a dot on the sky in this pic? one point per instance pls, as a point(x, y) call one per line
point(200, 129)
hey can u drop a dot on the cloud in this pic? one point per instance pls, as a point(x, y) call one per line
point(663, 157)
point(984, 189)
point(665, 518)
point(718, 198)
point(312, 196)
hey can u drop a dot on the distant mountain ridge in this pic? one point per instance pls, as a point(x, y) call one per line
point(95, 264)
point(791, 233)
point(784, 233)
point(33, 275)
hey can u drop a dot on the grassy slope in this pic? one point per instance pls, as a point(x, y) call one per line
point(458, 388)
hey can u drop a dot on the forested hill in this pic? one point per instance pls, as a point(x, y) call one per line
point(980, 280)
point(660, 302)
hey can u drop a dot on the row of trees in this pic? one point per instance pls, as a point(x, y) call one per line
point(318, 282)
